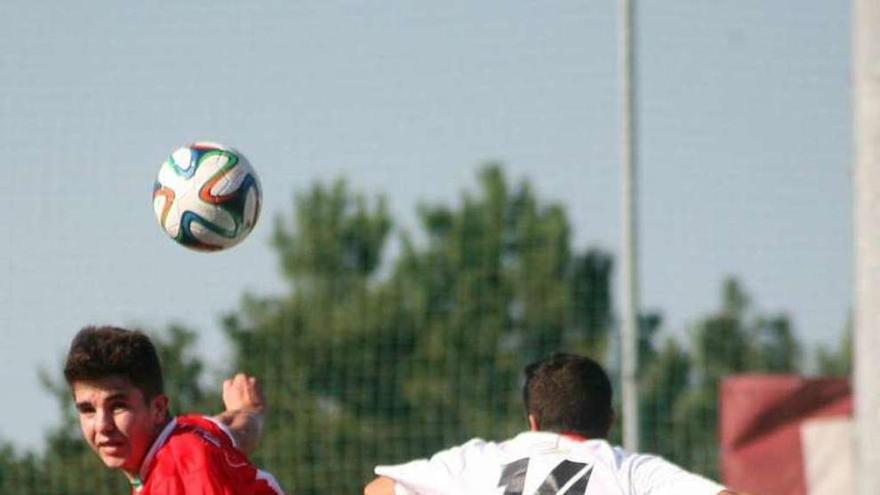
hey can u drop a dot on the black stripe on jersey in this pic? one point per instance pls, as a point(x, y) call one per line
point(561, 474)
point(513, 477)
point(579, 487)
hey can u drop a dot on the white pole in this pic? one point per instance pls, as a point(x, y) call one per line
point(866, 110)
point(630, 272)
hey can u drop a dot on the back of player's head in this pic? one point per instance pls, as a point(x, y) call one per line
point(569, 394)
point(102, 352)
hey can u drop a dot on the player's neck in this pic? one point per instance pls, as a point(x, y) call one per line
point(133, 474)
point(577, 437)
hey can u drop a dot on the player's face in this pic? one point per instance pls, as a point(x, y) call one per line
point(117, 422)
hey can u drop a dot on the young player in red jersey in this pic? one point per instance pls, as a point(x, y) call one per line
point(568, 407)
point(117, 385)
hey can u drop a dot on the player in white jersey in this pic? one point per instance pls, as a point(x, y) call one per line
point(568, 403)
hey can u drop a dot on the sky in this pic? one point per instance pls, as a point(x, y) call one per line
point(744, 147)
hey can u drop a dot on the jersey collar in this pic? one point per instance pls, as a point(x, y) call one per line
point(147, 463)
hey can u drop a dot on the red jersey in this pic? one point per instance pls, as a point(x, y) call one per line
point(196, 455)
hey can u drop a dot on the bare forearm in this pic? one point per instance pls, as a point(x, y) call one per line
point(246, 427)
point(245, 406)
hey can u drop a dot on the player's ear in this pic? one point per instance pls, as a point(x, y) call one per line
point(533, 423)
point(159, 408)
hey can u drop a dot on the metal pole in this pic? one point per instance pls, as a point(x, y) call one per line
point(866, 121)
point(629, 331)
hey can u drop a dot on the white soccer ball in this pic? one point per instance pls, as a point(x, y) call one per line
point(207, 196)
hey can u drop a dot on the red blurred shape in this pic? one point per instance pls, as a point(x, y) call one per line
point(761, 417)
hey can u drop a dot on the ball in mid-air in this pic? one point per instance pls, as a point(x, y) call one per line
point(207, 196)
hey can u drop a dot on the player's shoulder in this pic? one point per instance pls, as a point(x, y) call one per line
point(206, 423)
point(650, 471)
point(194, 437)
point(475, 447)
point(206, 427)
point(182, 448)
point(635, 460)
point(195, 449)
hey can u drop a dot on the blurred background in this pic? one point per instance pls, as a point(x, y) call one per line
point(441, 186)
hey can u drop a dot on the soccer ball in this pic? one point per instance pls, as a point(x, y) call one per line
point(207, 196)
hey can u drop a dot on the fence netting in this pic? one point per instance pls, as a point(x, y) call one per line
point(369, 359)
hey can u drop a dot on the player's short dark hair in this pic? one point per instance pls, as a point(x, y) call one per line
point(569, 394)
point(106, 351)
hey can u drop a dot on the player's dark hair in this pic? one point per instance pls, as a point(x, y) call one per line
point(569, 394)
point(106, 351)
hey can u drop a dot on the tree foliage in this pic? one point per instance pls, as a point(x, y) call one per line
point(368, 358)
point(837, 360)
point(681, 385)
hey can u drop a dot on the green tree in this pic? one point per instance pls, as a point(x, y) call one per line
point(681, 386)
point(837, 361)
point(664, 381)
point(16, 470)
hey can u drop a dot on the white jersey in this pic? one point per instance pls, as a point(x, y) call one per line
point(544, 463)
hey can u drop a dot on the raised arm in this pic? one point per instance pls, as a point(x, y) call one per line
point(245, 407)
